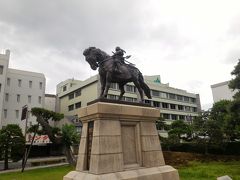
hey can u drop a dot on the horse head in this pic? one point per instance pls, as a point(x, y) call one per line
point(90, 57)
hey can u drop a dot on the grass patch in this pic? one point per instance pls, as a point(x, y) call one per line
point(193, 171)
point(51, 173)
point(210, 170)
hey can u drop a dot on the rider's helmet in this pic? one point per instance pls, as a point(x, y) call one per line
point(117, 48)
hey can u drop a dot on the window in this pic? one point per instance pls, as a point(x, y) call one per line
point(187, 108)
point(163, 95)
point(193, 100)
point(129, 99)
point(113, 86)
point(64, 88)
point(17, 114)
point(71, 107)
point(19, 82)
point(172, 96)
point(39, 99)
point(29, 99)
point(172, 106)
point(40, 85)
point(179, 98)
point(165, 105)
point(186, 99)
point(1, 69)
point(78, 93)
point(166, 116)
point(110, 96)
point(147, 101)
point(77, 105)
point(194, 109)
point(180, 107)
point(130, 88)
point(18, 97)
point(5, 113)
point(71, 96)
point(6, 97)
point(181, 117)
point(174, 117)
point(8, 81)
point(155, 93)
point(156, 104)
point(30, 84)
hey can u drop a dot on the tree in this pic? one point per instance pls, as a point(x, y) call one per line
point(12, 143)
point(161, 124)
point(207, 131)
point(235, 82)
point(181, 129)
point(171, 140)
point(66, 137)
point(234, 123)
point(70, 137)
point(221, 113)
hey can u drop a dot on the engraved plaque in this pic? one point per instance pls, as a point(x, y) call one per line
point(129, 144)
point(89, 142)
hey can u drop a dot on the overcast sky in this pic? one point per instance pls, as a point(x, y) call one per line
point(191, 44)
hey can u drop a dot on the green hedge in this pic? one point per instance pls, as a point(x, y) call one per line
point(232, 148)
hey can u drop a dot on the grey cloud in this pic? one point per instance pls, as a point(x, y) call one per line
point(233, 30)
point(74, 24)
point(232, 56)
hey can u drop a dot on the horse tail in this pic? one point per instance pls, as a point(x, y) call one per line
point(144, 86)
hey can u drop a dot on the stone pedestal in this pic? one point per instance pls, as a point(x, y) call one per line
point(120, 141)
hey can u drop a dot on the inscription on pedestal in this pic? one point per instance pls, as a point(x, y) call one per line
point(89, 142)
point(131, 144)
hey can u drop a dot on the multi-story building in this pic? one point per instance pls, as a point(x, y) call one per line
point(221, 91)
point(17, 89)
point(174, 103)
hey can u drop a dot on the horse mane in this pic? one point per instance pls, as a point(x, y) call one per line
point(95, 52)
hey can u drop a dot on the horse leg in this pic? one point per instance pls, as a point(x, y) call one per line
point(106, 89)
point(121, 87)
point(107, 86)
point(103, 84)
point(136, 83)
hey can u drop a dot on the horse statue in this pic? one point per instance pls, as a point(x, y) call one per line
point(106, 64)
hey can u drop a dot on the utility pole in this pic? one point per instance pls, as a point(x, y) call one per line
point(25, 117)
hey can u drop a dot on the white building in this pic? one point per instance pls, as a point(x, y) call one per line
point(174, 103)
point(221, 91)
point(50, 102)
point(17, 89)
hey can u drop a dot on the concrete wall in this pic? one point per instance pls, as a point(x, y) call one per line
point(221, 91)
point(17, 91)
point(33, 95)
point(4, 61)
point(50, 102)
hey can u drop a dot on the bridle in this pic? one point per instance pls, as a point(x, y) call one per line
point(101, 62)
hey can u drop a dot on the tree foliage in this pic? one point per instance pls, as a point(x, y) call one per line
point(12, 143)
point(181, 129)
point(234, 84)
point(161, 124)
point(67, 136)
point(70, 135)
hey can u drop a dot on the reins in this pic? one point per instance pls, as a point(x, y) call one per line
point(99, 63)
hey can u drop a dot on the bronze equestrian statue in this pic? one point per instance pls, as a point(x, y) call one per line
point(108, 72)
